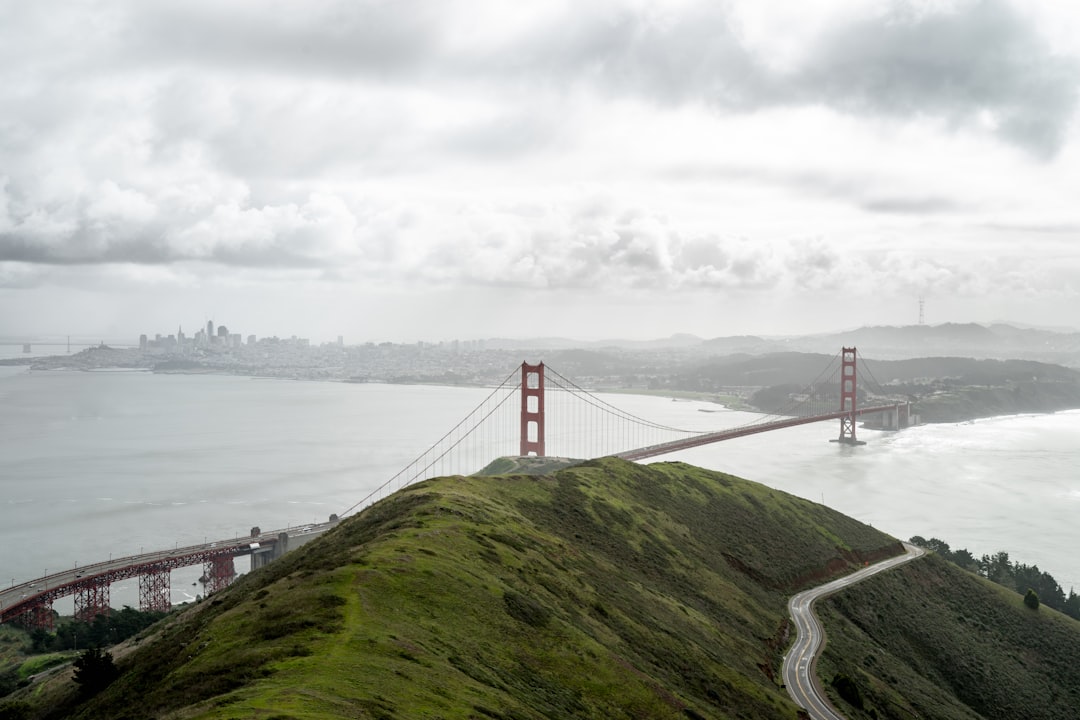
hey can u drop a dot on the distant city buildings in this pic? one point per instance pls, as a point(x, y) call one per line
point(214, 339)
point(215, 348)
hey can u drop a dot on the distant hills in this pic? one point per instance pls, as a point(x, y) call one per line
point(1000, 341)
point(602, 590)
point(952, 373)
point(943, 389)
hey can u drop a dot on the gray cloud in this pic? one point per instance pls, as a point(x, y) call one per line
point(320, 37)
point(981, 57)
point(212, 132)
point(910, 205)
point(980, 63)
point(692, 55)
point(1038, 228)
point(110, 224)
point(868, 191)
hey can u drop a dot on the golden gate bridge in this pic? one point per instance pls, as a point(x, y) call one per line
point(533, 412)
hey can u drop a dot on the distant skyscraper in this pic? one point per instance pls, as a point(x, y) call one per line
point(209, 329)
point(222, 331)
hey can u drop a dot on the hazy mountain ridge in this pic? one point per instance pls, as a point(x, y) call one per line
point(603, 590)
point(998, 341)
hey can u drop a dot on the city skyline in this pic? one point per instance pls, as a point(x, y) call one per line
point(608, 168)
point(87, 339)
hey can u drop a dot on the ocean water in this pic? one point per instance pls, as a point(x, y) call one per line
point(94, 464)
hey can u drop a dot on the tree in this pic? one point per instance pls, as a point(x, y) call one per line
point(1031, 599)
point(94, 671)
point(1050, 592)
point(998, 568)
point(1072, 605)
point(40, 640)
point(940, 547)
point(965, 559)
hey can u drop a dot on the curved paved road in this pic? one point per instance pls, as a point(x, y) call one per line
point(798, 669)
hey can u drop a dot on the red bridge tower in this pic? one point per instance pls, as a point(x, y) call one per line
point(532, 409)
point(848, 397)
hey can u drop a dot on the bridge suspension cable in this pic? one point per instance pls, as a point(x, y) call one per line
point(589, 426)
point(874, 385)
point(802, 406)
point(448, 452)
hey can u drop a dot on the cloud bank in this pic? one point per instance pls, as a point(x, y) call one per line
point(662, 147)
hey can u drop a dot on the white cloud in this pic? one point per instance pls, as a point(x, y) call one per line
point(773, 150)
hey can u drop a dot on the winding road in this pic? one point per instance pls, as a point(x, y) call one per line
point(798, 669)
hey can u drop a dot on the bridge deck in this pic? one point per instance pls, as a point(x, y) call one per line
point(730, 434)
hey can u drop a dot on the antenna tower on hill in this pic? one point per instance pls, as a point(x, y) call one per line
point(922, 306)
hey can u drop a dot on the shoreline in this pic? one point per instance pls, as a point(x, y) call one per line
point(720, 399)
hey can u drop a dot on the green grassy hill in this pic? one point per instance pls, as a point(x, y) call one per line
point(603, 590)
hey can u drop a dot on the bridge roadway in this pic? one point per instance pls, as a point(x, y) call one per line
point(732, 433)
point(17, 598)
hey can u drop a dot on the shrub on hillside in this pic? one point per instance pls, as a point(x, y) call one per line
point(94, 671)
point(848, 690)
point(1031, 599)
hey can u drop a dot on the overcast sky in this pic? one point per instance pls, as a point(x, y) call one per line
point(437, 169)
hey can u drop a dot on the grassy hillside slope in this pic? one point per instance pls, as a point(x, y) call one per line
point(931, 640)
point(605, 590)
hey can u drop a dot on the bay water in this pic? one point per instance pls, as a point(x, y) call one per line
point(100, 464)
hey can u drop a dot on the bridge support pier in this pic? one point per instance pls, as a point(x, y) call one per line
point(154, 591)
point(218, 573)
point(92, 600)
point(266, 554)
point(904, 416)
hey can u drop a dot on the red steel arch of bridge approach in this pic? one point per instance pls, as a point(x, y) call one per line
point(91, 586)
point(31, 603)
